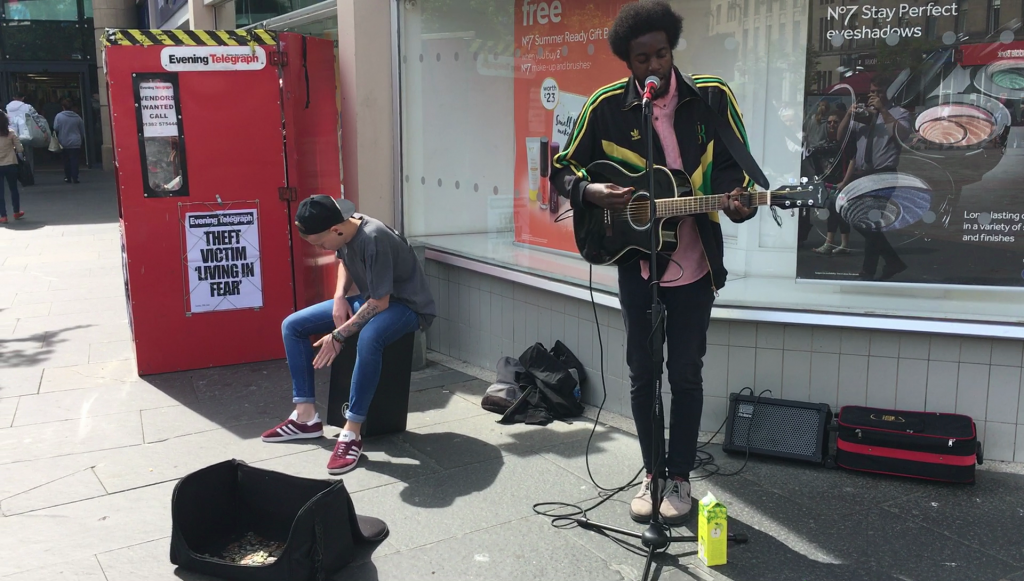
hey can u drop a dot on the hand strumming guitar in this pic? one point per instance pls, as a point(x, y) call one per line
point(732, 206)
point(609, 196)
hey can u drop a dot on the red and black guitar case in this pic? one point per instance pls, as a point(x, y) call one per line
point(932, 446)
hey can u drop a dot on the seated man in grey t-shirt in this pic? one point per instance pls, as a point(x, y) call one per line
point(393, 299)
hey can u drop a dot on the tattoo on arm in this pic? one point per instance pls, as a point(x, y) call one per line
point(369, 310)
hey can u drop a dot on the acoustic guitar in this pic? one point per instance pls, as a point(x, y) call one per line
point(621, 236)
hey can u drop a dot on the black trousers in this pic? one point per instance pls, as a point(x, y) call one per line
point(9, 174)
point(71, 155)
point(835, 220)
point(876, 246)
point(688, 310)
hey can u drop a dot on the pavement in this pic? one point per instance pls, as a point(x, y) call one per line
point(90, 452)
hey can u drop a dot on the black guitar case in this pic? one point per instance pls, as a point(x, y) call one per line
point(217, 505)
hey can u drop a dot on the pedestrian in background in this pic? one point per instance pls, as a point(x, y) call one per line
point(16, 111)
point(10, 147)
point(70, 130)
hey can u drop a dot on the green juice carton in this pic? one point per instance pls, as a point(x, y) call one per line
point(712, 531)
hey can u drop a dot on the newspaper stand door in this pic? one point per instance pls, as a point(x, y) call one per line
point(206, 195)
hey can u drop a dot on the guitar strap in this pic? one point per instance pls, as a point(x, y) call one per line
point(725, 132)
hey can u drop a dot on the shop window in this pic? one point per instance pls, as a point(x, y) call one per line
point(994, 7)
point(39, 10)
point(161, 136)
point(485, 98)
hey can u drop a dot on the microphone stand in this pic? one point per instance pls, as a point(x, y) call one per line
point(656, 537)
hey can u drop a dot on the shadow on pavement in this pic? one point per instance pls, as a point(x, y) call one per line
point(33, 350)
point(51, 202)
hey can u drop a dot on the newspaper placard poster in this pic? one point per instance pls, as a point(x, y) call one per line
point(223, 260)
point(159, 114)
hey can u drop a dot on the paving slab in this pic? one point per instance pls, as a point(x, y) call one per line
point(87, 306)
point(77, 325)
point(75, 294)
point(988, 515)
point(386, 460)
point(467, 499)
point(98, 401)
point(90, 375)
point(527, 548)
point(471, 390)
point(169, 460)
point(8, 406)
point(83, 569)
point(436, 406)
point(434, 375)
point(481, 438)
point(614, 456)
point(18, 381)
point(23, 477)
point(68, 437)
point(107, 351)
point(77, 486)
point(83, 529)
point(196, 416)
point(240, 382)
point(58, 257)
point(874, 539)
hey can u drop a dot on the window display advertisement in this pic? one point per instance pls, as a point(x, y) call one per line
point(562, 57)
point(913, 124)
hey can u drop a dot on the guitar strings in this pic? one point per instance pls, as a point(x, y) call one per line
point(701, 205)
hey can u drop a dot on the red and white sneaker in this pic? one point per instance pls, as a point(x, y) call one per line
point(292, 429)
point(346, 453)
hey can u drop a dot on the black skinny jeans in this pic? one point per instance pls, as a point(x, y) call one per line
point(688, 315)
point(9, 174)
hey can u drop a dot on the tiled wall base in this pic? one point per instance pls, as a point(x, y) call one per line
point(482, 318)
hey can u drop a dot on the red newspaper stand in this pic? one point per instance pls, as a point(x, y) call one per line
point(208, 184)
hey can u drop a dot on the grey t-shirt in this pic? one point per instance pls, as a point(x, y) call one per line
point(381, 262)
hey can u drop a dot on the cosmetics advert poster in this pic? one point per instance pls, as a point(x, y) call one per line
point(562, 57)
point(920, 149)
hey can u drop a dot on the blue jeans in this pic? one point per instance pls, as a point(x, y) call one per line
point(382, 330)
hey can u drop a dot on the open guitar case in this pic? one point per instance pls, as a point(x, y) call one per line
point(217, 505)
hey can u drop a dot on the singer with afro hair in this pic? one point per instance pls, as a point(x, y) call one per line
point(697, 123)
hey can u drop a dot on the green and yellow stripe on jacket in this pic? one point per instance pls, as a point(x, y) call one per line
point(610, 107)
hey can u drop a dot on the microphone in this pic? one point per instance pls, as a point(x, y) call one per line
point(650, 86)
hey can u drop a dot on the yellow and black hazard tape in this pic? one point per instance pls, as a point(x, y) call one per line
point(123, 37)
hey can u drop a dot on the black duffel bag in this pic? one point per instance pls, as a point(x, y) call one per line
point(216, 506)
point(551, 384)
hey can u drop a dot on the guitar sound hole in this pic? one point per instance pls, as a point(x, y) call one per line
point(638, 212)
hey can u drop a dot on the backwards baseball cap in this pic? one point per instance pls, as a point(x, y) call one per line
point(319, 213)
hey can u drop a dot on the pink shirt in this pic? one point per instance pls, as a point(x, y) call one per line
point(689, 253)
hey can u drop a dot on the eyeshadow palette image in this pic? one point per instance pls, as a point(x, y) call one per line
point(1001, 79)
point(955, 124)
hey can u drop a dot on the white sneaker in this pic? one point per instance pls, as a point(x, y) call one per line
point(640, 508)
point(675, 503)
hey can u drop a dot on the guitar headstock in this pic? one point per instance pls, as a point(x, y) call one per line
point(800, 196)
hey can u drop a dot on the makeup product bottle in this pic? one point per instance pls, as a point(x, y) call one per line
point(544, 166)
point(533, 165)
point(553, 197)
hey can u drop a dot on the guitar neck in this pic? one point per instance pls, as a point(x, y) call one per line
point(704, 204)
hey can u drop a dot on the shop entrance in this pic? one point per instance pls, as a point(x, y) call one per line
point(44, 88)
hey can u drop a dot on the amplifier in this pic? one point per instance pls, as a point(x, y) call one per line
point(796, 430)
